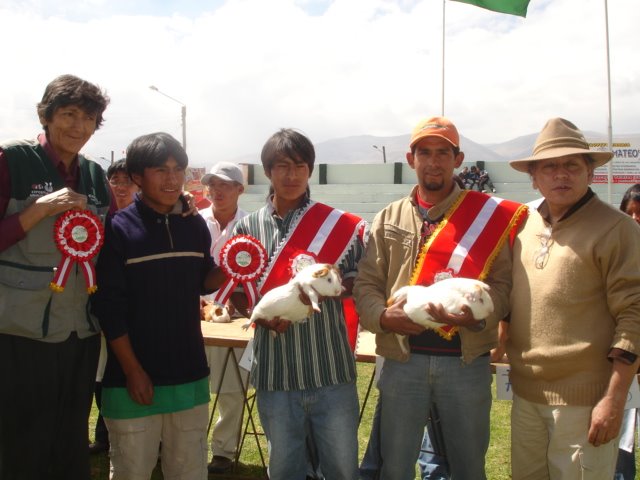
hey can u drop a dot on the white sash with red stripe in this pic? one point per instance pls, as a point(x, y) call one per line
point(322, 231)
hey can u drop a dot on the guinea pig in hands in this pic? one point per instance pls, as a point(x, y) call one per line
point(283, 302)
point(451, 293)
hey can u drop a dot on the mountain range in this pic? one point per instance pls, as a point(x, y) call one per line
point(368, 148)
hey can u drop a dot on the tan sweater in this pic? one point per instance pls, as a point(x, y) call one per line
point(566, 316)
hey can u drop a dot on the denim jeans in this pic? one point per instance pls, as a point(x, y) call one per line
point(328, 414)
point(462, 393)
point(432, 465)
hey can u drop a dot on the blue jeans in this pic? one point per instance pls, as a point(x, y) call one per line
point(462, 393)
point(432, 465)
point(329, 415)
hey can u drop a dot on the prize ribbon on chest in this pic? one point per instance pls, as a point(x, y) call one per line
point(78, 235)
point(243, 259)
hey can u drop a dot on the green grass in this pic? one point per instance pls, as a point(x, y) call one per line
point(498, 461)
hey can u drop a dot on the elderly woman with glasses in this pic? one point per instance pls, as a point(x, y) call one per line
point(574, 335)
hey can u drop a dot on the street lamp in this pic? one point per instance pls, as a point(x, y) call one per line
point(183, 112)
point(384, 153)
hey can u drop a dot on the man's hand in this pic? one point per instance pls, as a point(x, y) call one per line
point(140, 387)
point(393, 319)
point(606, 420)
point(277, 325)
point(462, 319)
point(192, 209)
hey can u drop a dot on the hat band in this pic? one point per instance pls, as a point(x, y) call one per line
point(561, 142)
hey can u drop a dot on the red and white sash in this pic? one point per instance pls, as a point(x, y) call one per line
point(467, 241)
point(322, 231)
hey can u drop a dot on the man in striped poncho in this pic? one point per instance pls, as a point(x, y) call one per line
point(305, 375)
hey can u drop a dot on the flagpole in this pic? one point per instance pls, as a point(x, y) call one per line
point(442, 89)
point(609, 127)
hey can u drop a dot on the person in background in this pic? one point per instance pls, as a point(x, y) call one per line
point(626, 463)
point(123, 191)
point(49, 342)
point(473, 179)
point(422, 239)
point(484, 182)
point(574, 333)
point(305, 375)
point(154, 266)
point(224, 184)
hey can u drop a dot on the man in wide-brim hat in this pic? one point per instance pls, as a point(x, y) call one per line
point(574, 335)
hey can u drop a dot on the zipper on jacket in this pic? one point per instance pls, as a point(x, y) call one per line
point(166, 223)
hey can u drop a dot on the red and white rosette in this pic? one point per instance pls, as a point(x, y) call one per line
point(79, 235)
point(300, 260)
point(243, 259)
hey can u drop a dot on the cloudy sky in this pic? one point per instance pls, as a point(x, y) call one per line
point(331, 68)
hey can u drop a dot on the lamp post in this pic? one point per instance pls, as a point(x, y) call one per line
point(384, 153)
point(183, 111)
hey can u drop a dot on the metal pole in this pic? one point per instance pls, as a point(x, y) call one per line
point(184, 127)
point(442, 99)
point(384, 154)
point(183, 115)
point(609, 126)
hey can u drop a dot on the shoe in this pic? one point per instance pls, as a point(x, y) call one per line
point(493, 190)
point(98, 447)
point(219, 464)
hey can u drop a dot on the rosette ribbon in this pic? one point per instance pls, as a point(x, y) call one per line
point(243, 259)
point(300, 260)
point(78, 235)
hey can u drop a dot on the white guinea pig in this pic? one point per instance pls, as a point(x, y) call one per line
point(451, 293)
point(318, 279)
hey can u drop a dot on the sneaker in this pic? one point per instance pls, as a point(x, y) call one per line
point(493, 190)
point(219, 464)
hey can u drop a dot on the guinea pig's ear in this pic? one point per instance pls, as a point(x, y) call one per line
point(322, 272)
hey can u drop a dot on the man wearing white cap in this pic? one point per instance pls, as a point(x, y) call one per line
point(224, 184)
point(574, 335)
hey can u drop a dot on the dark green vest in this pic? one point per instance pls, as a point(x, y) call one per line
point(27, 306)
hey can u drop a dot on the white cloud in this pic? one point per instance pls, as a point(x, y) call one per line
point(245, 68)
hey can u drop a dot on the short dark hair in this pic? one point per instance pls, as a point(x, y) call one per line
point(68, 90)
point(631, 195)
point(287, 143)
point(119, 166)
point(153, 150)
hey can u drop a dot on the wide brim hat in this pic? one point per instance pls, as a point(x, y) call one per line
point(560, 137)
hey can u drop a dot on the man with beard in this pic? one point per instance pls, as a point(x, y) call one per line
point(437, 231)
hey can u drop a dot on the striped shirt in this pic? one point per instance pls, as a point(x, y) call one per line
point(308, 355)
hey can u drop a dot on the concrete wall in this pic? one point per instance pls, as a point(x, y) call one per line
point(365, 189)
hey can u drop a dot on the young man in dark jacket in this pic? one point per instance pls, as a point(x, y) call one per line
point(154, 266)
